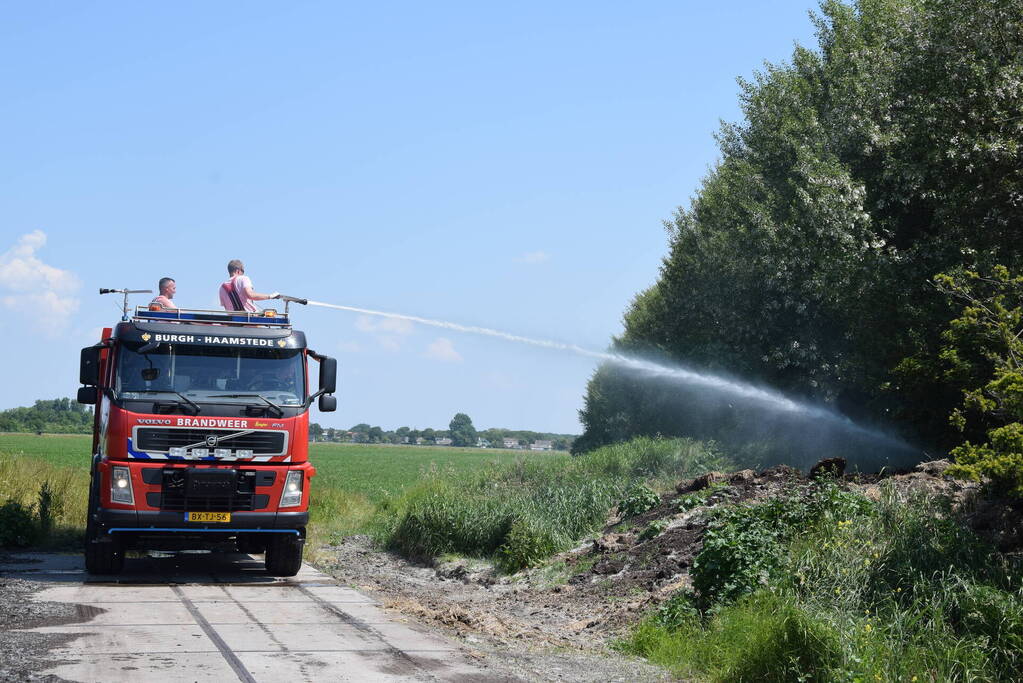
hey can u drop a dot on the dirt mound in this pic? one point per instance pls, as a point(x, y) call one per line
point(584, 598)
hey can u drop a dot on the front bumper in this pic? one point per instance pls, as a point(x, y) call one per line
point(147, 521)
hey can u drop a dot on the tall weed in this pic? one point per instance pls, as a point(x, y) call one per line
point(53, 497)
point(524, 511)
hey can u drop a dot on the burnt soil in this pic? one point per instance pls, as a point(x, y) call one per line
point(583, 599)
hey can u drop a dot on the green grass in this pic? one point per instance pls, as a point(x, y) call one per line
point(59, 450)
point(522, 512)
point(353, 482)
point(382, 472)
point(898, 590)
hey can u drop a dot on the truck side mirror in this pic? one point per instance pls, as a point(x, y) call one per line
point(328, 375)
point(88, 371)
point(328, 404)
point(87, 395)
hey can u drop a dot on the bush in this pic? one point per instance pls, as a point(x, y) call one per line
point(653, 530)
point(677, 611)
point(743, 545)
point(18, 527)
point(526, 544)
point(638, 500)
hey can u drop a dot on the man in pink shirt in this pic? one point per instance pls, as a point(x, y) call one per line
point(237, 294)
point(167, 289)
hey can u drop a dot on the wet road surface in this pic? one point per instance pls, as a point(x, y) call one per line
point(219, 617)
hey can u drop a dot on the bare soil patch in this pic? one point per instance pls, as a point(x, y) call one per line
point(584, 599)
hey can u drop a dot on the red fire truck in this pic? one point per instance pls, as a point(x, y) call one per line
point(201, 435)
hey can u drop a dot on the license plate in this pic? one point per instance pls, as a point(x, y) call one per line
point(207, 516)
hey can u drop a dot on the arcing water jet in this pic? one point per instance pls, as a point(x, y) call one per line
point(769, 399)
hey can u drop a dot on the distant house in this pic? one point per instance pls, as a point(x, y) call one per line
point(541, 445)
point(444, 441)
point(511, 443)
point(482, 443)
point(420, 441)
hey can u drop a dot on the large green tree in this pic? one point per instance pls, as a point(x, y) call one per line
point(861, 168)
point(461, 430)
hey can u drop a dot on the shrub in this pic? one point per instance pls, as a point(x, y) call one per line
point(677, 611)
point(743, 544)
point(18, 527)
point(526, 544)
point(984, 346)
point(638, 500)
point(653, 530)
point(46, 508)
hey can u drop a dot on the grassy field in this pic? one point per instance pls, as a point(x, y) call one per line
point(373, 471)
point(353, 480)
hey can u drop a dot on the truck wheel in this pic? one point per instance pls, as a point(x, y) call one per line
point(104, 557)
point(284, 554)
point(101, 556)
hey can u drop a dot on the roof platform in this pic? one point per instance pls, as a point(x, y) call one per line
point(266, 318)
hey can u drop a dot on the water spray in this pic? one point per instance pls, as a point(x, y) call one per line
point(773, 399)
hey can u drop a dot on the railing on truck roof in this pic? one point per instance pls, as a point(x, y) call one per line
point(265, 318)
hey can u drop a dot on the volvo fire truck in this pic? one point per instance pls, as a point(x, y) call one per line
point(200, 438)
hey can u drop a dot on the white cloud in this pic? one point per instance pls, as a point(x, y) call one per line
point(442, 349)
point(534, 257)
point(368, 323)
point(387, 331)
point(42, 292)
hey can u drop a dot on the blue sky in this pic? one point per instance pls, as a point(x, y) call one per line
point(501, 166)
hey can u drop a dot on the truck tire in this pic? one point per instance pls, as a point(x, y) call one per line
point(102, 556)
point(284, 554)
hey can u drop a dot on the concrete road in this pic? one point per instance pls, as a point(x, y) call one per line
point(218, 617)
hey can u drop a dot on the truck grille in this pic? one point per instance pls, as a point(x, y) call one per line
point(187, 490)
point(162, 439)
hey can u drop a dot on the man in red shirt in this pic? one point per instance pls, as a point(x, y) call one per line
point(167, 289)
point(237, 294)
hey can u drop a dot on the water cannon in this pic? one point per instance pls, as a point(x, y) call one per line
point(125, 292)
point(291, 300)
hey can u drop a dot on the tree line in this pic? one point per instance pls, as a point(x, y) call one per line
point(460, 430)
point(60, 415)
point(810, 261)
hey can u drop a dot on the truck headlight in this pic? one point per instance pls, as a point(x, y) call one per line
point(120, 486)
point(292, 494)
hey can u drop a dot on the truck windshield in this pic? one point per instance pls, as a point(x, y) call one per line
point(203, 372)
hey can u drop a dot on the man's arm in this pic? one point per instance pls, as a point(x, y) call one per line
point(256, 296)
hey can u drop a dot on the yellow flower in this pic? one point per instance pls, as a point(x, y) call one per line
point(868, 628)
